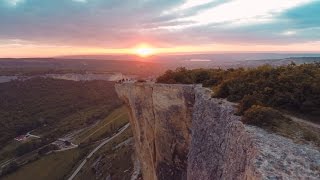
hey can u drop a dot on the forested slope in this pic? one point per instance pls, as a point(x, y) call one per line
point(26, 105)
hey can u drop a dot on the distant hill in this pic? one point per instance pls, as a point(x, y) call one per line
point(145, 67)
point(280, 62)
point(52, 65)
point(169, 58)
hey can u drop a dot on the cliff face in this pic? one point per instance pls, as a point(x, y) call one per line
point(161, 120)
point(220, 147)
point(182, 133)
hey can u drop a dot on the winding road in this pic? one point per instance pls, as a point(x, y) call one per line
point(107, 140)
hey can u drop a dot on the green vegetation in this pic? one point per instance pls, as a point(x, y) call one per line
point(31, 145)
point(261, 92)
point(8, 151)
point(51, 109)
point(114, 162)
point(50, 167)
point(264, 117)
point(117, 119)
point(89, 138)
point(293, 88)
point(53, 106)
point(36, 71)
point(87, 111)
point(41, 66)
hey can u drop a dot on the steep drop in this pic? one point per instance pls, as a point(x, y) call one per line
point(161, 120)
point(181, 132)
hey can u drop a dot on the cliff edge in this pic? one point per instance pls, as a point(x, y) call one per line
point(160, 117)
point(220, 147)
point(181, 132)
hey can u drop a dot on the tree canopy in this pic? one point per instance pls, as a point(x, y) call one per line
point(294, 88)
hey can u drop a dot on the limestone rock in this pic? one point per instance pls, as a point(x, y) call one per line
point(180, 132)
point(220, 148)
point(161, 120)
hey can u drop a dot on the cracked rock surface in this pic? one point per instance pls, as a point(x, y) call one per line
point(220, 147)
point(281, 158)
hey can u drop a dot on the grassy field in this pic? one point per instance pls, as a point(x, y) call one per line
point(105, 128)
point(114, 162)
point(59, 165)
point(7, 152)
point(51, 167)
point(74, 121)
point(70, 123)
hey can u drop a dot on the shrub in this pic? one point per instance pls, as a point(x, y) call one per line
point(221, 91)
point(264, 117)
point(179, 76)
point(293, 88)
point(201, 76)
point(247, 102)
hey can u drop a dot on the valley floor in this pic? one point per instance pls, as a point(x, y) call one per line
point(92, 143)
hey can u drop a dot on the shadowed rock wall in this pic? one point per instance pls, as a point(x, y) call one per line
point(220, 147)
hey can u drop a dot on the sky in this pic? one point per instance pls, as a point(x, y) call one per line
point(45, 28)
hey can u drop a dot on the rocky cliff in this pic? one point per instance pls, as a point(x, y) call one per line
point(161, 120)
point(181, 132)
point(220, 146)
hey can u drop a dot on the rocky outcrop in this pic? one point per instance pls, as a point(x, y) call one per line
point(181, 132)
point(278, 157)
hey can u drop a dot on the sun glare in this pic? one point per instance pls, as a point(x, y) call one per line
point(144, 51)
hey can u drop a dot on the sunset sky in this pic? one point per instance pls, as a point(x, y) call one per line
point(65, 27)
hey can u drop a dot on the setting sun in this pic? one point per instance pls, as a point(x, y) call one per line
point(144, 50)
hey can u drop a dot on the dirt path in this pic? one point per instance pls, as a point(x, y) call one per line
point(296, 119)
point(96, 149)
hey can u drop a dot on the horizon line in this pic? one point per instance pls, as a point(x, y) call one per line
point(166, 54)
